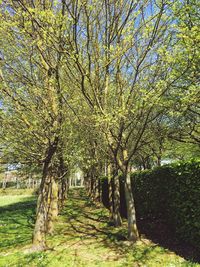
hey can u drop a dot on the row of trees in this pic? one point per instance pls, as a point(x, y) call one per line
point(102, 83)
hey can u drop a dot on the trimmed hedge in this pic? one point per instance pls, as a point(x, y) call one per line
point(170, 193)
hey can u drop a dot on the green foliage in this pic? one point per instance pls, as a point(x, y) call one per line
point(181, 151)
point(171, 192)
point(184, 200)
point(86, 82)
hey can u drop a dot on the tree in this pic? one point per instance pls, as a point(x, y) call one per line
point(115, 67)
point(123, 78)
point(32, 94)
point(184, 109)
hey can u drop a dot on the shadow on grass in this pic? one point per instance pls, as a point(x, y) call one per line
point(90, 221)
point(84, 223)
point(16, 223)
point(159, 232)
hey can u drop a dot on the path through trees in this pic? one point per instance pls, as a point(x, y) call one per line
point(83, 238)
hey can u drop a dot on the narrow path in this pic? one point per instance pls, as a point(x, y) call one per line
point(88, 236)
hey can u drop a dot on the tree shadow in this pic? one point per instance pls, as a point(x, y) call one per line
point(162, 234)
point(88, 223)
point(88, 220)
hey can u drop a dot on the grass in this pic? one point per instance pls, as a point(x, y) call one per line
point(83, 238)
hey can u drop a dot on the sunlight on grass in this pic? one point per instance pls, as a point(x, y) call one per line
point(7, 200)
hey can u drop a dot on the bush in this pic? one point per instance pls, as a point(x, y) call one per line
point(170, 193)
point(184, 201)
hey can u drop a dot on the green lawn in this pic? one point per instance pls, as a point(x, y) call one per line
point(82, 238)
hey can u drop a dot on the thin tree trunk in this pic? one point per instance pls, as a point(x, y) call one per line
point(110, 192)
point(91, 184)
point(94, 183)
point(99, 191)
point(87, 183)
point(133, 234)
point(110, 197)
point(116, 202)
point(63, 191)
point(159, 161)
point(63, 182)
point(4, 184)
point(95, 191)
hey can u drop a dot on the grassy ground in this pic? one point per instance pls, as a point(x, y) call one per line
point(83, 238)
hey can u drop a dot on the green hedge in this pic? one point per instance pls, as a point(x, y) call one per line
point(170, 193)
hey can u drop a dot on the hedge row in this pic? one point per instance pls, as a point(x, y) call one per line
point(170, 193)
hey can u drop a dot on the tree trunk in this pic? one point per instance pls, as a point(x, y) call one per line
point(63, 182)
point(94, 184)
point(95, 189)
point(110, 191)
point(40, 229)
point(110, 196)
point(133, 234)
point(116, 202)
point(99, 191)
point(114, 195)
point(63, 191)
point(159, 161)
point(52, 205)
point(39, 233)
point(90, 185)
point(4, 184)
point(18, 184)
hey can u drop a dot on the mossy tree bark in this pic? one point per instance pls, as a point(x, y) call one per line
point(39, 233)
point(40, 229)
point(52, 204)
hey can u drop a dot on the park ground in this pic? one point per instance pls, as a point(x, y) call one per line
point(83, 237)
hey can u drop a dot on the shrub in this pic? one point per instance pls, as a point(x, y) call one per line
point(170, 193)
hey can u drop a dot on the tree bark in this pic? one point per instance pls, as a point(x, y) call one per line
point(116, 202)
point(99, 191)
point(39, 233)
point(114, 195)
point(95, 188)
point(63, 191)
point(40, 229)
point(159, 161)
point(133, 234)
point(110, 196)
point(52, 205)
point(63, 182)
